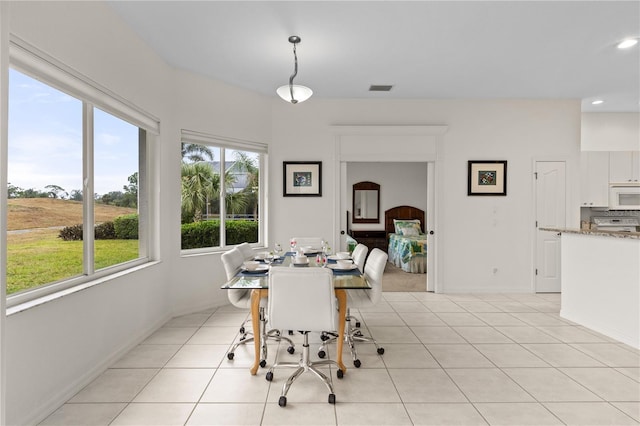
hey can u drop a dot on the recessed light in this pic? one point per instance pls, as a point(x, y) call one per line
point(597, 102)
point(625, 44)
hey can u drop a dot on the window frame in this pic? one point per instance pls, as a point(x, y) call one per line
point(36, 64)
point(224, 143)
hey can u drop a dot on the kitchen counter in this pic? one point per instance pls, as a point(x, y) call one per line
point(600, 279)
point(615, 234)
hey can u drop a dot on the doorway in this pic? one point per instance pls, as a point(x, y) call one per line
point(399, 144)
point(401, 183)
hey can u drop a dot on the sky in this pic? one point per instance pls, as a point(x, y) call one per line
point(45, 140)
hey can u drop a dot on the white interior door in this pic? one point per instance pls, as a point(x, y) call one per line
point(430, 227)
point(550, 213)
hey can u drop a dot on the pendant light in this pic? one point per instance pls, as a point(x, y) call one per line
point(292, 92)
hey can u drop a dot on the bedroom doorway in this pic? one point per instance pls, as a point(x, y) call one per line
point(401, 183)
point(380, 145)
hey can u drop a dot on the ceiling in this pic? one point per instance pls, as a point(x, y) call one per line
point(425, 49)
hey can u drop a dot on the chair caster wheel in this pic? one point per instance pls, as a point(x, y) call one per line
point(332, 398)
point(340, 374)
point(241, 330)
point(282, 401)
point(290, 332)
point(269, 376)
point(291, 350)
point(263, 363)
point(380, 351)
point(230, 355)
point(324, 337)
point(322, 354)
point(357, 363)
point(357, 324)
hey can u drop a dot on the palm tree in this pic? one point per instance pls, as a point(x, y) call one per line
point(198, 187)
point(194, 152)
point(248, 197)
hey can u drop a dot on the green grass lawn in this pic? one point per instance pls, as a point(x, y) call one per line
point(40, 257)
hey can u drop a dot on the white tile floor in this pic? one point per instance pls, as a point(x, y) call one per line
point(479, 359)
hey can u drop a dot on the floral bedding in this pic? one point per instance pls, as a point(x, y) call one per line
point(409, 252)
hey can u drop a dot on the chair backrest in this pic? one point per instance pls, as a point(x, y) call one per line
point(359, 255)
point(373, 271)
point(302, 299)
point(246, 250)
point(232, 261)
point(314, 242)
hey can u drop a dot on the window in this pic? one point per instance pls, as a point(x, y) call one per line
point(76, 161)
point(221, 199)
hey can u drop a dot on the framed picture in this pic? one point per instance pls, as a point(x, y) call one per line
point(302, 178)
point(487, 178)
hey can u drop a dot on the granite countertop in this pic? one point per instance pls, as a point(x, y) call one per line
point(615, 234)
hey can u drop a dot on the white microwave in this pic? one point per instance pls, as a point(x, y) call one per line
point(624, 197)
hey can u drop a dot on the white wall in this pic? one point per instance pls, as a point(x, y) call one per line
point(206, 106)
point(54, 349)
point(476, 234)
point(610, 131)
point(400, 184)
point(79, 335)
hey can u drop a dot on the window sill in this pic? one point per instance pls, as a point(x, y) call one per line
point(21, 307)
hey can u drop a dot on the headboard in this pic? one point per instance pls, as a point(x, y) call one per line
point(402, 212)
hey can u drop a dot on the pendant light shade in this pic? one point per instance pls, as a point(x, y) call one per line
point(300, 93)
point(294, 93)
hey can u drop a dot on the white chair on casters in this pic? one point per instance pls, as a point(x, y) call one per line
point(241, 298)
point(246, 250)
point(373, 271)
point(359, 255)
point(302, 299)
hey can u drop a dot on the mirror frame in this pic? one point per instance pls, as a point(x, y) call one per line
point(365, 186)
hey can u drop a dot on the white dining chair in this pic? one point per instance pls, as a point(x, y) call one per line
point(303, 299)
point(356, 299)
point(246, 250)
point(359, 255)
point(241, 298)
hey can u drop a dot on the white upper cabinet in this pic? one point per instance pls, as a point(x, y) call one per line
point(624, 166)
point(594, 182)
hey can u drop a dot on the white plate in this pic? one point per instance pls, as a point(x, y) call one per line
point(335, 257)
point(258, 270)
point(310, 250)
point(339, 268)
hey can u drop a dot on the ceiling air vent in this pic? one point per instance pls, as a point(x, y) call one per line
point(380, 88)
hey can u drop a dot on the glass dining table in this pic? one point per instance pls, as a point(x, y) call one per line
point(258, 282)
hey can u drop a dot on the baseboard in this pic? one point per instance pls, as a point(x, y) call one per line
point(38, 414)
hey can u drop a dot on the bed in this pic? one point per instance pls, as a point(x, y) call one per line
point(407, 240)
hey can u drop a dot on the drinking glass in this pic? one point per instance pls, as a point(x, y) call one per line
point(293, 243)
point(277, 250)
point(268, 258)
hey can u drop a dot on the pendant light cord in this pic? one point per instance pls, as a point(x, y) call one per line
point(295, 72)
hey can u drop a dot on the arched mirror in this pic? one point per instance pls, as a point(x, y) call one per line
point(366, 202)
